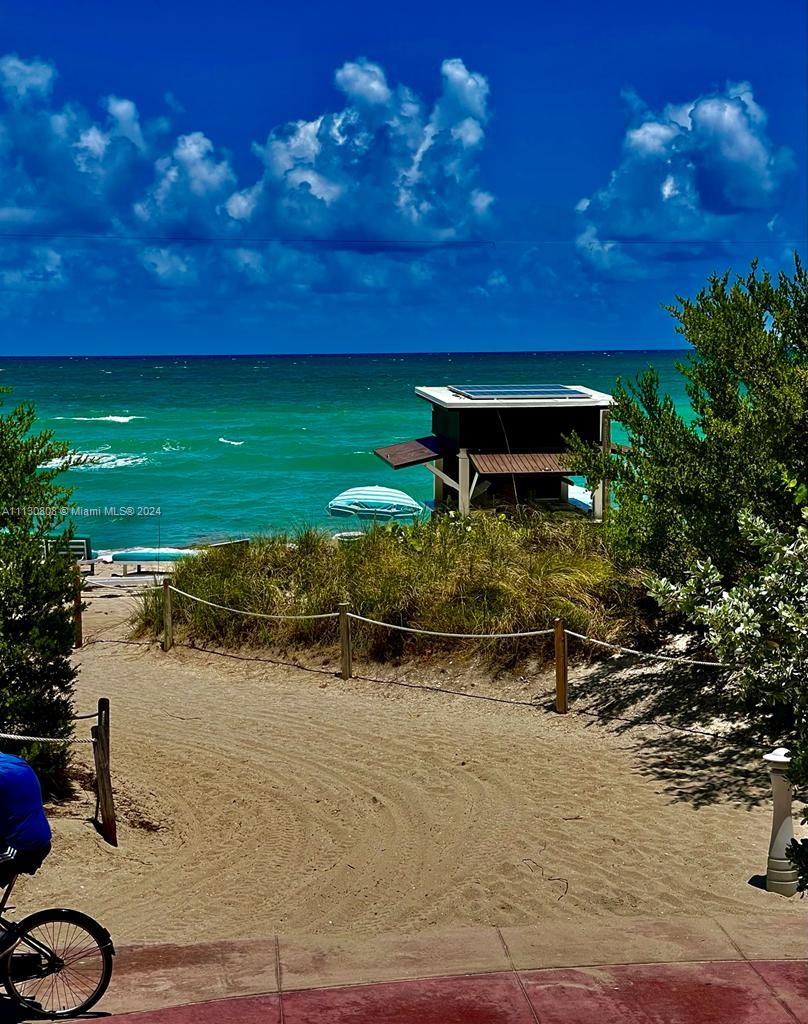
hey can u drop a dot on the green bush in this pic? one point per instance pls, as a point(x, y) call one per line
point(483, 574)
point(681, 485)
point(36, 630)
point(760, 625)
point(708, 503)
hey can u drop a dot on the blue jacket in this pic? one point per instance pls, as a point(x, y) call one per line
point(23, 824)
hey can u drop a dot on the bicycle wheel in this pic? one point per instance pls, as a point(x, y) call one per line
point(60, 965)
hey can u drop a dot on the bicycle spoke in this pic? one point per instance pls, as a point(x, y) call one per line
point(67, 1001)
point(88, 976)
point(58, 999)
point(77, 939)
point(37, 987)
point(80, 981)
point(75, 1000)
point(80, 954)
point(43, 981)
point(62, 991)
point(87, 969)
point(65, 942)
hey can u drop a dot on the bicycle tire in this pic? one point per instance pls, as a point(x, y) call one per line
point(73, 987)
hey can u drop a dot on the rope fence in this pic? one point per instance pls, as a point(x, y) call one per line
point(241, 611)
point(44, 739)
point(127, 584)
point(647, 654)
point(344, 614)
point(53, 739)
point(559, 631)
point(452, 636)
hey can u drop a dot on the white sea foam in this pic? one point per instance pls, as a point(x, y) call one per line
point(174, 446)
point(101, 419)
point(108, 460)
point(101, 459)
point(225, 441)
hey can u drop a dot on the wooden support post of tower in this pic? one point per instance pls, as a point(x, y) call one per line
point(464, 482)
point(606, 438)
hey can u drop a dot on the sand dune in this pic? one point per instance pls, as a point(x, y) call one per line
point(258, 799)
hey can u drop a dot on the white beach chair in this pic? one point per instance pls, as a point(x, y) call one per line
point(79, 547)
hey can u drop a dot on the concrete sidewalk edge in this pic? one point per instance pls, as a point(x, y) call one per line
point(157, 976)
point(724, 992)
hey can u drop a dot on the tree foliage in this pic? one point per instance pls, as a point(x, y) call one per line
point(706, 502)
point(760, 626)
point(36, 630)
point(682, 484)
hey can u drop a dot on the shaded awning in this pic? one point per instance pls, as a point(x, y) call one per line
point(410, 453)
point(524, 463)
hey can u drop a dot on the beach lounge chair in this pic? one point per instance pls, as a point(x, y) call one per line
point(79, 547)
point(164, 557)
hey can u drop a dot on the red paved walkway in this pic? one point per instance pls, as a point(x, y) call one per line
point(741, 992)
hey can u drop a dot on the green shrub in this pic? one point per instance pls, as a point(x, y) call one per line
point(36, 630)
point(760, 625)
point(483, 574)
point(681, 485)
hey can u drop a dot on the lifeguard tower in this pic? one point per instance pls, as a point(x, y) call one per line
point(505, 443)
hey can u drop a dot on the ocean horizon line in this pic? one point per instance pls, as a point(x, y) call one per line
point(348, 355)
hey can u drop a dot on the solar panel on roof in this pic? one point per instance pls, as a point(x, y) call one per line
point(479, 392)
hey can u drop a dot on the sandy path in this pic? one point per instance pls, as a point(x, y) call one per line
point(289, 802)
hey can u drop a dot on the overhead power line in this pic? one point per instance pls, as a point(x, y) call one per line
point(378, 243)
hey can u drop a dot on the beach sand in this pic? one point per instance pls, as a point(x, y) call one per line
point(258, 798)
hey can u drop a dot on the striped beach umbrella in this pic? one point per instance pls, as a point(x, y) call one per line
point(382, 504)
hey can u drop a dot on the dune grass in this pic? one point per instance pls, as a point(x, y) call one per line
point(484, 574)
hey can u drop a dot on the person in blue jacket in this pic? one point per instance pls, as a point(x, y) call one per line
point(25, 835)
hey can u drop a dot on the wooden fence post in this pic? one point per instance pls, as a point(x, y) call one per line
point(168, 622)
point(345, 641)
point(562, 705)
point(78, 635)
point(105, 804)
point(606, 440)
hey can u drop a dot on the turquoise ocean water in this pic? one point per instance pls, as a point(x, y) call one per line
point(233, 446)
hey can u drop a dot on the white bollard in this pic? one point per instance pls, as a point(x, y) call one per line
point(781, 874)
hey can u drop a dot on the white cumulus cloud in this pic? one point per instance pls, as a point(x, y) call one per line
point(363, 82)
point(22, 79)
point(386, 166)
point(690, 174)
point(125, 119)
point(388, 169)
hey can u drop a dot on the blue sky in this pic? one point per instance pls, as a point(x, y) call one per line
point(257, 177)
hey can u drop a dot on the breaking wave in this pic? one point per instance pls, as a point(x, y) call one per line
point(101, 419)
point(103, 459)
